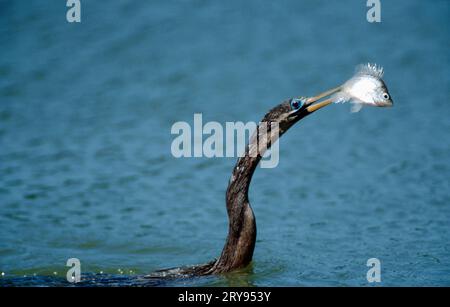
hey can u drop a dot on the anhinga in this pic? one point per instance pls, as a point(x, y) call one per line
point(240, 244)
point(365, 88)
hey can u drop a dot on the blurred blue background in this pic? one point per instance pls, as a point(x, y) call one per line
point(86, 110)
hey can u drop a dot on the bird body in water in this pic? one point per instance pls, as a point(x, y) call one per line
point(365, 88)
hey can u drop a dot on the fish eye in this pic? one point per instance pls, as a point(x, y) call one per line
point(386, 96)
point(296, 103)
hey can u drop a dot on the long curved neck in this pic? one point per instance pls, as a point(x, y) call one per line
point(240, 243)
point(238, 249)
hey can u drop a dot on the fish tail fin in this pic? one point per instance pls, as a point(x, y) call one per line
point(340, 97)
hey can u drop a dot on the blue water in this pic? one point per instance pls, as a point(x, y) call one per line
point(86, 169)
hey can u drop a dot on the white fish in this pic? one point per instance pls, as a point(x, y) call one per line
point(365, 88)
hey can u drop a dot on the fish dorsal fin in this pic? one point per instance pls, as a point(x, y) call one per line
point(356, 107)
point(370, 69)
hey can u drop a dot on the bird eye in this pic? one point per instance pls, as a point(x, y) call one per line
point(296, 103)
point(386, 96)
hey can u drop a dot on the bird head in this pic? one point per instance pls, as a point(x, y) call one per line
point(292, 110)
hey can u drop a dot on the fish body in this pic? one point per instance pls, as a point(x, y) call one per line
point(366, 87)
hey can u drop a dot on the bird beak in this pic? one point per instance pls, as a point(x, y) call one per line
point(311, 107)
point(314, 107)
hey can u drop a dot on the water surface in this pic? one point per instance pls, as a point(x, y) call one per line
point(85, 162)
